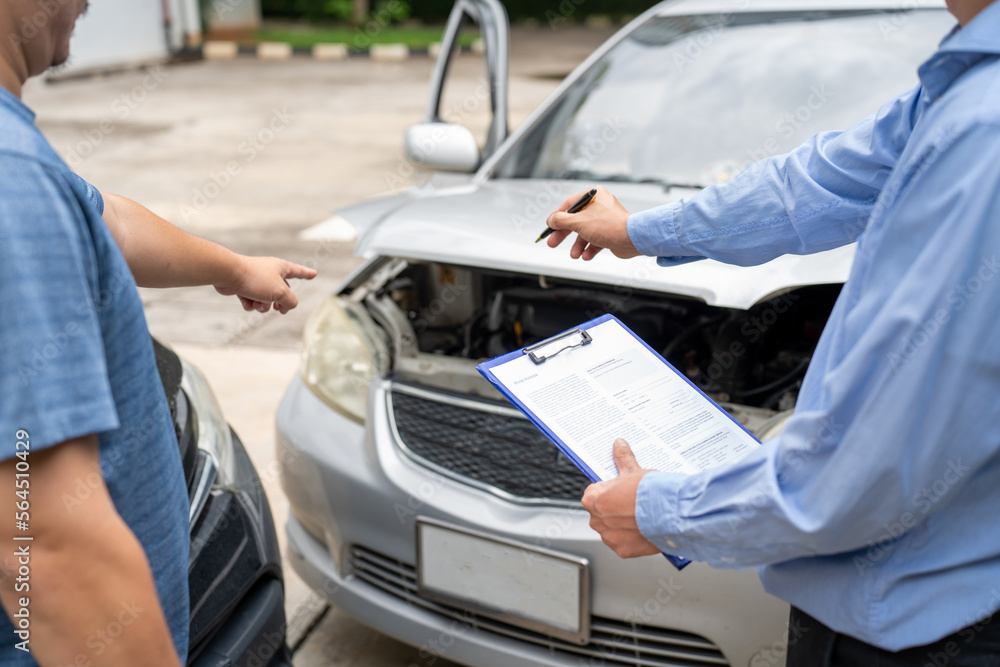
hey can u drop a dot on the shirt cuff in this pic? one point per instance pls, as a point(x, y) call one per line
point(654, 233)
point(656, 513)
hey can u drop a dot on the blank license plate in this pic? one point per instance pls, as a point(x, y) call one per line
point(519, 584)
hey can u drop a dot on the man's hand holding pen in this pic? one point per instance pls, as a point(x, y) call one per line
point(600, 221)
point(603, 224)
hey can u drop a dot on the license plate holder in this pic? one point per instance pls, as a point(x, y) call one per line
point(530, 587)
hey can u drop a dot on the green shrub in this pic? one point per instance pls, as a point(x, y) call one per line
point(332, 10)
point(436, 11)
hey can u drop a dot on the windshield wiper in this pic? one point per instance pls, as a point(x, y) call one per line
point(625, 178)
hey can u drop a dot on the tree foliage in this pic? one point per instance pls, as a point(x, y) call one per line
point(436, 11)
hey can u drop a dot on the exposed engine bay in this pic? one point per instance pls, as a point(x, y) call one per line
point(440, 320)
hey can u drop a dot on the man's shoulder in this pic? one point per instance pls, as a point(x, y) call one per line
point(35, 194)
point(42, 216)
point(974, 100)
point(22, 138)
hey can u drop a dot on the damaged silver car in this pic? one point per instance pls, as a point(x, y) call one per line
point(395, 452)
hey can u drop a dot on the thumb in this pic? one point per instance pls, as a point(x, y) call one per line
point(625, 458)
point(560, 220)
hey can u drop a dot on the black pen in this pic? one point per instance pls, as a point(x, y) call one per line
point(581, 203)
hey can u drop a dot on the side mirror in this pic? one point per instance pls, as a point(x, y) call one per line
point(442, 147)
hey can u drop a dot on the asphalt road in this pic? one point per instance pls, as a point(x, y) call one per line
point(306, 138)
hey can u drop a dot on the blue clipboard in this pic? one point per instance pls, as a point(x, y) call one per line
point(486, 367)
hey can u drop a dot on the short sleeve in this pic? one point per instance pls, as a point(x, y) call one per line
point(53, 373)
point(93, 194)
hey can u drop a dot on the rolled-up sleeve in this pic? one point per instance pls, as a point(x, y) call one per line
point(816, 198)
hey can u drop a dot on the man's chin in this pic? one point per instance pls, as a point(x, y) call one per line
point(60, 60)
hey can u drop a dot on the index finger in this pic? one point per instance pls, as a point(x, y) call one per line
point(298, 271)
point(569, 201)
point(572, 199)
point(590, 495)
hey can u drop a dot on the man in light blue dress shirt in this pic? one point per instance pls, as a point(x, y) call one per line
point(875, 512)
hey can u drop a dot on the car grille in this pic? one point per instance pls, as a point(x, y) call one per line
point(612, 643)
point(481, 441)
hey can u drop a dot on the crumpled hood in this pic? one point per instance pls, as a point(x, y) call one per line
point(494, 225)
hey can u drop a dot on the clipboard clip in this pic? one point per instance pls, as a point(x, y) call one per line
point(541, 352)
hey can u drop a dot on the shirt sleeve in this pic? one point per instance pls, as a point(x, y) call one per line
point(816, 198)
point(93, 194)
point(911, 404)
point(53, 375)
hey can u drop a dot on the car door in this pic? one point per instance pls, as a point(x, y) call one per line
point(441, 146)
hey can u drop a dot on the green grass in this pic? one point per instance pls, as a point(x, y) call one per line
point(305, 36)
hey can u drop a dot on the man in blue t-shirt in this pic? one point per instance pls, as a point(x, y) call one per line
point(100, 580)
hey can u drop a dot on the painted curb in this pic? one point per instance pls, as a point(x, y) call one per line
point(274, 51)
point(330, 52)
point(219, 50)
point(389, 52)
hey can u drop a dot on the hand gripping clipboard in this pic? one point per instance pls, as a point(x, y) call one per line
point(577, 353)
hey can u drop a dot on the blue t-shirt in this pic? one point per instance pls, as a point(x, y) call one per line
point(78, 359)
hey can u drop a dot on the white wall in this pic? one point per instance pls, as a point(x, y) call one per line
point(120, 33)
point(233, 14)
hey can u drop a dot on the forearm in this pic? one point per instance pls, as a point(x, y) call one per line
point(98, 601)
point(162, 255)
point(816, 198)
point(895, 423)
point(90, 589)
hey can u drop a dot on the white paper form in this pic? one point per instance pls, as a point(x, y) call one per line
point(615, 387)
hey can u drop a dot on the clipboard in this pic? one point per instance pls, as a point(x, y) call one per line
point(563, 346)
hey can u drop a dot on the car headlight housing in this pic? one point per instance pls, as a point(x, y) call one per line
point(211, 428)
point(343, 352)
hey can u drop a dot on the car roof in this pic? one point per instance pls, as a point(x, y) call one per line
point(689, 7)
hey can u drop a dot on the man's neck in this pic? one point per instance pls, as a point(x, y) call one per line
point(970, 10)
point(13, 67)
point(10, 81)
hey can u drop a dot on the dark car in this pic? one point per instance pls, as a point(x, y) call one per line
point(234, 572)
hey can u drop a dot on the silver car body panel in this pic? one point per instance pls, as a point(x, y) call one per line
point(494, 224)
point(378, 492)
point(491, 223)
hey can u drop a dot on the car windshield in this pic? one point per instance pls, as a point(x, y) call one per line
point(692, 100)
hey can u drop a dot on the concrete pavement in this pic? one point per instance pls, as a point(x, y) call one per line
point(248, 153)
